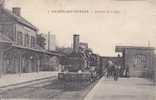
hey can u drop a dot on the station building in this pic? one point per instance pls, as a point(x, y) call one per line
point(139, 60)
point(19, 51)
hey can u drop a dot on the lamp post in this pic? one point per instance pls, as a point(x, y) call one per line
point(1, 63)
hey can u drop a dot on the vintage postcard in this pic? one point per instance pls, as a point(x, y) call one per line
point(77, 50)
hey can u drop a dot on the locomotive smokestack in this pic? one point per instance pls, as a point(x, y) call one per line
point(76, 43)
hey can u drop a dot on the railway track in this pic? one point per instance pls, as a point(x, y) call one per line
point(50, 89)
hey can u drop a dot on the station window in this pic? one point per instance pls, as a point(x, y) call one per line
point(0, 28)
point(32, 42)
point(26, 40)
point(140, 59)
point(19, 38)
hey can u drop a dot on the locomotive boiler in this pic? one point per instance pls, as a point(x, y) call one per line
point(82, 64)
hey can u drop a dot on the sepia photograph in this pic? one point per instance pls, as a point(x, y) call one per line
point(77, 50)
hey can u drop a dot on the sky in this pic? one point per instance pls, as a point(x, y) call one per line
point(103, 24)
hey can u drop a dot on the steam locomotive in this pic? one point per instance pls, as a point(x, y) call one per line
point(80, 65)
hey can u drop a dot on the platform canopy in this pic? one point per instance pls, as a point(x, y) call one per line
point(5, 42)
point(122, 48)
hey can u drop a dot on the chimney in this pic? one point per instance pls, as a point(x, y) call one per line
point(75, 43)
point(2, 4)
point(16, 11)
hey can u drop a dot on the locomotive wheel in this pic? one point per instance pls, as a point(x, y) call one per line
point(91, 80)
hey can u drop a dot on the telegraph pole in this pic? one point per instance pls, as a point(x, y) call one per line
point(48, 41)
point(149, 44)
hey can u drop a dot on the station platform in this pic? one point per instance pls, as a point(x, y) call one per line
point(123, 89)
point(13, 79)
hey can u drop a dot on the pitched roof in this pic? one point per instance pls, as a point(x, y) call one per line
point(20, 19)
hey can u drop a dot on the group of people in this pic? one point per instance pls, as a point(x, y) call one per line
point(112, 70)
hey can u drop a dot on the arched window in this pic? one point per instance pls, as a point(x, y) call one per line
point(140, 59)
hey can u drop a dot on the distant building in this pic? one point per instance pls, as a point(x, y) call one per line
point(115, 60)
point(50, 42)
point(83, 45)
